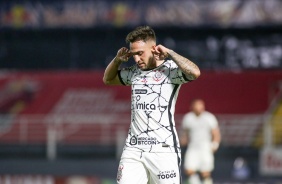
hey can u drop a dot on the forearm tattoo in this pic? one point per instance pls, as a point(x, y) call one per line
point(189, 68)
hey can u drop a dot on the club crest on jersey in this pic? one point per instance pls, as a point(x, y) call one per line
point(158, 75)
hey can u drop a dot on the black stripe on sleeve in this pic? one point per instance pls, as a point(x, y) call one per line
point(120, 79)
point(185, 77)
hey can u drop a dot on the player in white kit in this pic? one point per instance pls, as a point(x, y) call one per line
point(152, 152)
point(202, 134)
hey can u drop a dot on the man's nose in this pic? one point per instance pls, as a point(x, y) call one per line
point(136, 58)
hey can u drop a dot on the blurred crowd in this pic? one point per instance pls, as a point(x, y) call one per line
point(93, 13)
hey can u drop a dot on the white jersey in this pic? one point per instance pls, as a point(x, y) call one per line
point(199, 129)
point(153, 99)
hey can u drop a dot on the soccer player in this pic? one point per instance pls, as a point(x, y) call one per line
point(152, 151)
point(202, 134)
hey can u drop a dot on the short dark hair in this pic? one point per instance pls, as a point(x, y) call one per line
point(143, 33)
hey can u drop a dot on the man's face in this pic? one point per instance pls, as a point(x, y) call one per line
point(142, 54)
point(198, 107)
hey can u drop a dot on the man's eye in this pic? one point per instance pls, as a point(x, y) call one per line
point(140, 53)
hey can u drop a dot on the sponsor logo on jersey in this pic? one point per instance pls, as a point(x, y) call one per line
point(145, 106)
point(133, 140)
point(140, 91)
point(142, 140)
point(166, 175)
point(144, 79)
point(147, 141)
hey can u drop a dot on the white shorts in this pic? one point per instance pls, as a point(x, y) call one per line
point(199, 160)
point(149, 168)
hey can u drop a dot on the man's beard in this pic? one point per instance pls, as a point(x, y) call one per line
point(149, 65)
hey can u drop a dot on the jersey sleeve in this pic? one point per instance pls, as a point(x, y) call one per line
point(126, 74)
point(185, 122)
point(213, 121)
point(177, 76)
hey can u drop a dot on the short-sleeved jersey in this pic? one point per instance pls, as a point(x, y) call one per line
point(199, 129)
point(153, 99)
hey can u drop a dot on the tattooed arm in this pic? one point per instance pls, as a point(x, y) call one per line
point(111, 72)
point(190, 69)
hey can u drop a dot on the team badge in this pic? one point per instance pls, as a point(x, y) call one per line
point(158, 75)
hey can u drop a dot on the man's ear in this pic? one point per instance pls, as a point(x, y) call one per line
point(153, 49)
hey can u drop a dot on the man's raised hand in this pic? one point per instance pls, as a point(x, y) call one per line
point(123, 54)
point(160, 52)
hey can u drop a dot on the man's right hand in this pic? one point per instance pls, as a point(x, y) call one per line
point(111, 72)
point(123, 55)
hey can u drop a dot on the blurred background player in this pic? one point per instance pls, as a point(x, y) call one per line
point(202, 134)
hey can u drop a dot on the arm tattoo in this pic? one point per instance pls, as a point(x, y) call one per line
point(190, 69)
